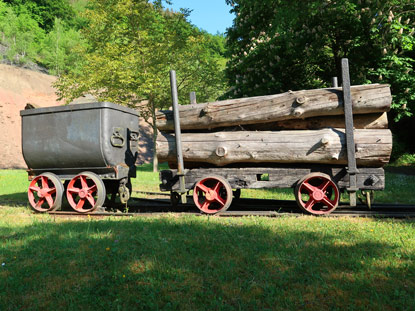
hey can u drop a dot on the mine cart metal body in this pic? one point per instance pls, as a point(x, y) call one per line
point(63, 142)
point(317, 187)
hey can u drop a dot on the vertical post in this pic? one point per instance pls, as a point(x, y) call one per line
point(192, 98)
point(350, 145)
point(334, 82)
point(177, 132)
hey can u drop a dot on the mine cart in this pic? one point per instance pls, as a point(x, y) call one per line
point(91, 147)
point(317, 187)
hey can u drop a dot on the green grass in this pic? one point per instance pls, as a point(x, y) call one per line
point(405, 159)
point(205, 263)
point(146, 179)
point(13, 186)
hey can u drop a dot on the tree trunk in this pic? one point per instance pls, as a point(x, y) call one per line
point(155, 159)
point(372, 98)
point(326, 146)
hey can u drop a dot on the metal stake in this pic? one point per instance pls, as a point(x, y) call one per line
point(350, 145)
point(334, 82)
point(192, 98)
point(178, 135)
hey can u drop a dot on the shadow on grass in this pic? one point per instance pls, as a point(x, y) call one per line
point(191, 264)
point(19, 198)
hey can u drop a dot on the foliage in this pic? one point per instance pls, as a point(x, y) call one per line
point(132, 47)
point(406, 159)
point(58, 50)
point(24, 39)
point(283, 45)
point(45, 11)
point(20, 33)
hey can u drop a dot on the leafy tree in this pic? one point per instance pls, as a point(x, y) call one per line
point(59, 49)
point(45, 11)
point(20, 33)
point(25, 40)
point(279, 45)
point(132, 45)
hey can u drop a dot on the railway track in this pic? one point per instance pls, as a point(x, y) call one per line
point(243, 208)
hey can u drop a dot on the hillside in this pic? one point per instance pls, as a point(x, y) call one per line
point(17, 88)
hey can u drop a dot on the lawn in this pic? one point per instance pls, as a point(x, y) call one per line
point(203, 263)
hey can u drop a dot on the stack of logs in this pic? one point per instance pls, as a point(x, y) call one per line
point(294, 127)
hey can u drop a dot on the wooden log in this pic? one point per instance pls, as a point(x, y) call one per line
point(326, 146)
point(372, 98)
point(360, 121)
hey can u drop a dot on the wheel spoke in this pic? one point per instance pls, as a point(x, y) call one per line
point(324, 186)
point(74, 190)
point(83, 182)
point(35, 189)
point(92, 189)
point(308, 187)
point(44, 182)
point(49, 199)
point(205, 206)
point(328, 203)
point(80, 204)
point(52, 191)
point(90, 199)
point(310, 203)
point(217, 187)
point(202, 187)
point(40, 202)
point(220, 200)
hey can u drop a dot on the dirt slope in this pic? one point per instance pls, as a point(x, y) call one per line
point(17, 88)
point(21, 86)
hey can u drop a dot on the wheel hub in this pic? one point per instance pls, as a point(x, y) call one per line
point(82, 194)
point(318, 195)
point(42, 193)
point(210, 195)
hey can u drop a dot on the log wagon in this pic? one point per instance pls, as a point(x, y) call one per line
point(319, 161)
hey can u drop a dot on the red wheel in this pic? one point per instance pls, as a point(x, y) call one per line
point(212, 194)
point(317, 194)
point(86, 192)
point(45, 193)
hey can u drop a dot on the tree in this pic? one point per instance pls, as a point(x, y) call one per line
point(281, 45)
point(45, 11)
point(20, 33)
point(132, 45)
point(59, 49)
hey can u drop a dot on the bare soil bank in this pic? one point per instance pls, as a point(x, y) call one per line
point(19, 87)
